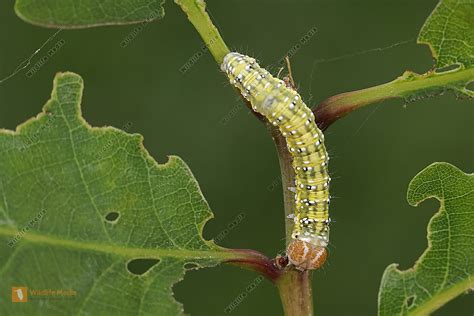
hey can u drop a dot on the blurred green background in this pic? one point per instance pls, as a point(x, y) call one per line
point(196, 115)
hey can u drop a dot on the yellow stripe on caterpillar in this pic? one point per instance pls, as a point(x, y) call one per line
point(284, 108)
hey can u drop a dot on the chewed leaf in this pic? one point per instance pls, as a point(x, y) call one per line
point(88, 13)
point(88, 210)
point(449, 32)
point(446, 268)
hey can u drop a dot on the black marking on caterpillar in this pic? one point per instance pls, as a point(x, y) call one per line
point(284, 108)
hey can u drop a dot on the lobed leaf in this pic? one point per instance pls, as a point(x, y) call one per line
point(446, 268)
point(449, 31)
point(88, 13)
point(87, 209)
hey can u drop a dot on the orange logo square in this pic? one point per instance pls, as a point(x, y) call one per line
point(19, 295)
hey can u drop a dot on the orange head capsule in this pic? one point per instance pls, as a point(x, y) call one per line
point(306, 256)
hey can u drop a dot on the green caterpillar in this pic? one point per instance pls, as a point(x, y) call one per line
point(283, 107)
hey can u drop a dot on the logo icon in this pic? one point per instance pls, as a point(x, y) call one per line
point(19, 295)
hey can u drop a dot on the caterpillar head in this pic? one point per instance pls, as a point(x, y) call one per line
point(306, 256)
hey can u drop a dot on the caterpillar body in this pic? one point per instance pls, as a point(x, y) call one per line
point(284, 108)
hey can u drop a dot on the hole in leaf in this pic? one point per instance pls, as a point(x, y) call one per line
point(191, 266)
point(410, 301)
point(112, 217)
point(448, 68)
point(141, 266)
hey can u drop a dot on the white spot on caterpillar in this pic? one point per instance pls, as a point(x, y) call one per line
point(278, 104)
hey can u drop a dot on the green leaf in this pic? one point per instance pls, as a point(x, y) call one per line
point(88, 13)
point(62, 186)
point(446, 268)
point(449, 31)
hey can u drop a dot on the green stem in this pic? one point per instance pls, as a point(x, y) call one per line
point(409, 86)
point(296, 293)
point(294, 286)
point(287, 178)
point(196, 12)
